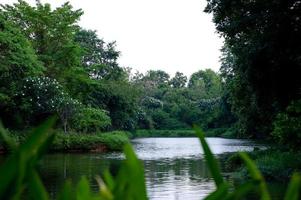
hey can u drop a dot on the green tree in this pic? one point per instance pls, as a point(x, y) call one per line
point(41, 97)
point(120, 98)
point(17, 61)
point(51, 33)
point(287, 126)
point(156, 78)
point(178, 81)
point(98, 57)
point(206, 80)
point(262, 49)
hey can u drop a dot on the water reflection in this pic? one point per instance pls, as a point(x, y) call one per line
point(174, 167)
point(171, 148)
point(177, 179)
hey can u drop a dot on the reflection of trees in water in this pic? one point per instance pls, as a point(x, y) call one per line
point(161, 171)
point(56, 168)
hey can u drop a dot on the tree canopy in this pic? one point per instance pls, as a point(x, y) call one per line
point(261, 60)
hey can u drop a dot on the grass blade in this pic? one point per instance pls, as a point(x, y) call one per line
point(66, 192)
point(83, 190)
point(211, 161)
point(36, 187)
point(104, 191)
point(6, 139)
point(130, 182)
point(220, 192)
point(293, 188)
point(39, 136)
point(256, 175)
point(242, 190)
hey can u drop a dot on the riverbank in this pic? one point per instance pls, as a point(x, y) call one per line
point(77, 142)
point(106, 141)
point(163, 133)
point(217, 132)
point(275, 164)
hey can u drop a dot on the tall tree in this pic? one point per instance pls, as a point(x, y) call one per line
point(156, 78)
point(51, 33)
point(178, 81)
point(17, 61)
point(263, 45)
point(206, 80)
point(98, 57)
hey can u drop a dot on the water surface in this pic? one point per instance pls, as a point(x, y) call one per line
point(174, 167)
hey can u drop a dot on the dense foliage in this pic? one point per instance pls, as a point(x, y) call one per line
point(172, 103)
point(52, 66)
point(287, 126)
point(261, 62)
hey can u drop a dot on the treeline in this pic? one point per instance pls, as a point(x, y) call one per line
point(261, 65)
point(175, 103)
point(50, 65)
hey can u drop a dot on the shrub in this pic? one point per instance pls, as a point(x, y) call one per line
point(89, 120)
point(113, 141)
point(287, 126)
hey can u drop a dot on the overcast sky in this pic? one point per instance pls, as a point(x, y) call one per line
point(171, 35)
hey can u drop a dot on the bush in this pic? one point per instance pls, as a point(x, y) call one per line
point(111, 141)
point(279, 165)
point(273, 164)
point(90, 120)
point(115, 140)
point(287, 126)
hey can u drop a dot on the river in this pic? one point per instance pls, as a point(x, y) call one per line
point(174, 167)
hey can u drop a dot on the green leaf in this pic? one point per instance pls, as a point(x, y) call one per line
point(130, 182)
point(8, 174)
point(219, 193)
point(36, 188)
point(294, 187)
point(6, 139)
point(256, 175)
point(104, 191)
point(211, 161)
point(22, 160)
point(108, 179)
point(242, 190)
point(38, 137)
point(83, 190)
point(66, 192)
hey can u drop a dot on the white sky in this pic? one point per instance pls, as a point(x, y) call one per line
point(171, 35)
